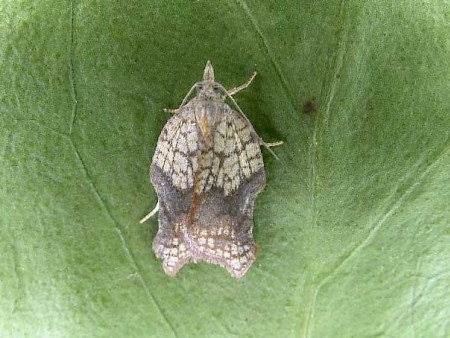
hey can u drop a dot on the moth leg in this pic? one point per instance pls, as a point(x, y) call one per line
point(172, 111)
point(245, 85)
point(274, 144)
point(269, 145)
point(151, 213)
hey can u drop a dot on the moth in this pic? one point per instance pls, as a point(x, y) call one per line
point(207, 171)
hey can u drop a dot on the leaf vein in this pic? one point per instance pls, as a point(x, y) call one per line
point(313, 289)
point(124, 244)
point(377, 225)
point(339, 60)
point(73, 87)
point(267, 50)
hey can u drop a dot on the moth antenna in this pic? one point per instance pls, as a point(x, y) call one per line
point(187, 96)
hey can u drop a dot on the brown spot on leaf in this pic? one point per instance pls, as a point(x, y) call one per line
point(309, 107)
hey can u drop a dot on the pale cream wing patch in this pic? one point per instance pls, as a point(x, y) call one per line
point(176, 151)
point(237, 153)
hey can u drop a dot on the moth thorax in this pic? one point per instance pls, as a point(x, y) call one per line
point(205, 113)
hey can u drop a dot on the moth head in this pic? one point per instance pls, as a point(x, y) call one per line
point(208, 88)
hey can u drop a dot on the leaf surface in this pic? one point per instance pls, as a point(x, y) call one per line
point(353, 226)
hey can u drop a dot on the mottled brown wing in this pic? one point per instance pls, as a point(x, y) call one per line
point(207, 191)
point(230, 155)
point(232, 158)
point(221, 231)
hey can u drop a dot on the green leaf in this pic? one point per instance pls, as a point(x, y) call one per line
point(353, 226)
